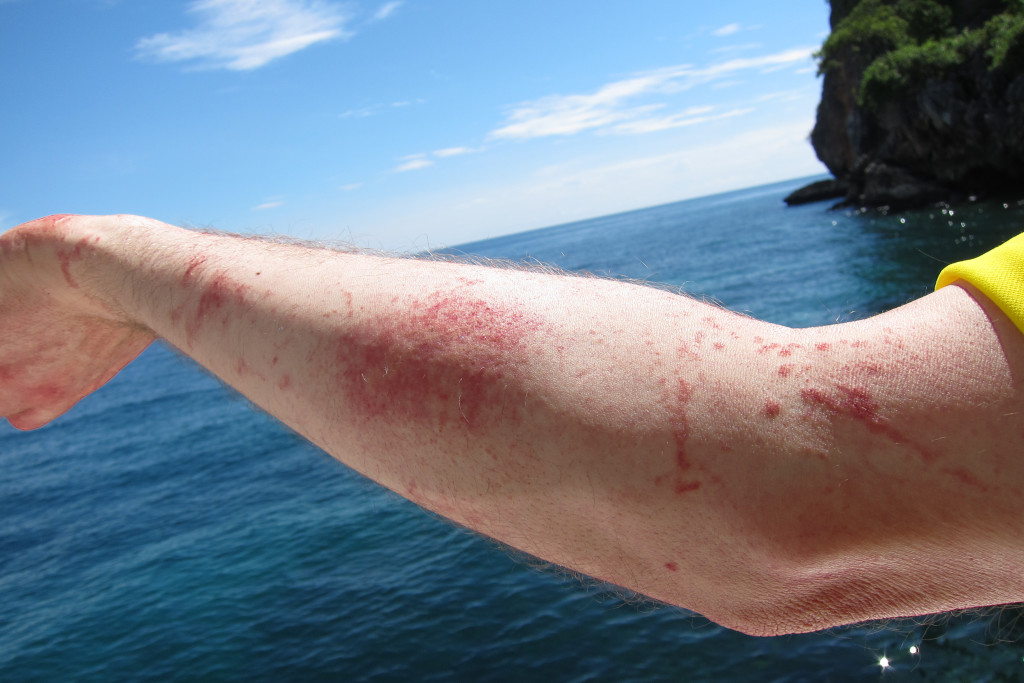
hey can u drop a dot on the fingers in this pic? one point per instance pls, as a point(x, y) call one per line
point(33, 418)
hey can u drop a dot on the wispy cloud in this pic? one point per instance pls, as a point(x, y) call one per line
point(413, 162)
point(268, 205)
point(373, 109)
point(246, 34)
point(689, 117)
point(452, 151)
point(734, 48)
point(386, 10)
point(726, 30)
point(613, 105)
point(351, 186)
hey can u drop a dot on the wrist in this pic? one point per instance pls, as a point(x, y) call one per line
point(78, 261)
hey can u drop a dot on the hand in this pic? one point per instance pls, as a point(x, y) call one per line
point(58, 341)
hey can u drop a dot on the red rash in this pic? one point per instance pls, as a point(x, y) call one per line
point(783, 351)
point(193, 264)
point(221, 291)
point(772, 409)
point(785, 370)
point(856, 403)
point(68, 256)
point(966, 478)
point(681, 431)
point(452, 360)
point(672, 566)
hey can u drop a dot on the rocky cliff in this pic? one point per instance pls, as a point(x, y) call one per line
point(923, 100)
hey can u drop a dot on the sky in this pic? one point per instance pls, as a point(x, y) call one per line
point(398, 124)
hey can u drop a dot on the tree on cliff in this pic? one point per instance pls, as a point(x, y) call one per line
point(922, 99)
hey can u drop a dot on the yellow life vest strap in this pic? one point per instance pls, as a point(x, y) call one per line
point(999, 274)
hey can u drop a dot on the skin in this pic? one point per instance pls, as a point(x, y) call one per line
point(774, 480)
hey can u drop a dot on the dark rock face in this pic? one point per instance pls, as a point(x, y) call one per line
point(817, 191)
point(955, 134)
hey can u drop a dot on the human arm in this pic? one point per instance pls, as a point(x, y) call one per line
point(775, 480)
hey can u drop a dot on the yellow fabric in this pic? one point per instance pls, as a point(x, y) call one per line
point(999, 274)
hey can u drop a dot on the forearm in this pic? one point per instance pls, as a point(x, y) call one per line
point(575, 419)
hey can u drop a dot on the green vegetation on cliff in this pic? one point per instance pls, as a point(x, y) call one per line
point(900, 44)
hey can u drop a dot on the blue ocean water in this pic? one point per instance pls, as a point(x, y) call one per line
point(163, 530)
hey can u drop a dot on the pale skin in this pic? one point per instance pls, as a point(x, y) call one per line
point(775, 480)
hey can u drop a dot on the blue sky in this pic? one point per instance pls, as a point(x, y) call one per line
point(398, 124)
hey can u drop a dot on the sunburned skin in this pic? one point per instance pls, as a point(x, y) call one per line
point(774, 480)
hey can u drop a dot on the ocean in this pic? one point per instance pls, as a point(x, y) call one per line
point(163, 530)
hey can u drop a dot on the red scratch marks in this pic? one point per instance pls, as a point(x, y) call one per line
point(672, 566)
point(449, 360)
point(680, 434)
point(194, 263)
point(46, 394)
point(856, 403)
point(7, 373)
point(822, 346)
point(966, 478)
point(284, 383)
point(680, 423)
point(72, 255)
point(222, 292)
point(242, 369)
point(772, 409)
point(685, 486)
point(786, 370)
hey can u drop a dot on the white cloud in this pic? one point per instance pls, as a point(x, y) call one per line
point(268, 205)
point(386, 10)
point(734, 48)
point(246, 34)
point(452, 151)
point(351, 186)
point(374, 109)
point(413, 164)
point(686, 118)
point(610, 106)
point(726, 30)
point(363, 112)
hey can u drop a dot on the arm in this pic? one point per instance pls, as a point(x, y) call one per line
point(774, 480)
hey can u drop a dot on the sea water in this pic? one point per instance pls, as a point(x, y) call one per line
point(163, 530)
